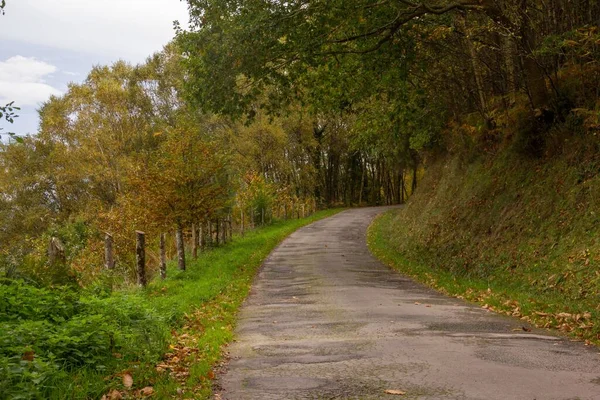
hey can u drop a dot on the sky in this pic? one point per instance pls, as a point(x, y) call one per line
point(45, 44)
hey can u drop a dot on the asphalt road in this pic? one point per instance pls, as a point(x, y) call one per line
point(325, 320)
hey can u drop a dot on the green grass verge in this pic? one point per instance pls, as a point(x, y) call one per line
point(63, 344)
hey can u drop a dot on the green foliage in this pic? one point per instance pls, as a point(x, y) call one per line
point(21, 301)
point(8, 114)
point(62, 342)
point(47, 333)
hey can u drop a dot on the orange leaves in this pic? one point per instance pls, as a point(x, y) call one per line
point(127, 380)
point(178, 360)
point(113, 395)
point(565, 322)
point(28, 355)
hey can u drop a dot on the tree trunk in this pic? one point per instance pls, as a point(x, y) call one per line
point(511, 77)
point(404, 189)
point(362, 183)
point(140, 253)
point(180, 248)
point(478, 79)
point(163, 256)
point(535, 76)
point(201, 236)
point(224, 231)
point(414, 180)
point(209, 240)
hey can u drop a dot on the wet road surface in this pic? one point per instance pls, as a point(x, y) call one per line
point(325, 320)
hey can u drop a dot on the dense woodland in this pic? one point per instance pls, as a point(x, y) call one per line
point(266, 110)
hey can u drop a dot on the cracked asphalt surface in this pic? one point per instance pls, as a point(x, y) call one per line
point(326, 320)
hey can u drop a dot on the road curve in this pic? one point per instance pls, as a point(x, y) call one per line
point(325, 320)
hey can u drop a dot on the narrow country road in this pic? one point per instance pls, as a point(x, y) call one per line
point(325, 320)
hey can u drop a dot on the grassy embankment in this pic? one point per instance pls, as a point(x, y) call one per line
point(165, 340)
point(517, 235)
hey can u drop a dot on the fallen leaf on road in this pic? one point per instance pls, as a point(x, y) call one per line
point(564, 315)
point(127, 381)
point(428, 305)
point(396, 392)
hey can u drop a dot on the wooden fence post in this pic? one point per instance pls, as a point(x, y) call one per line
point(242, 222)
point(140, 253)
point(194, 241)
point(180, 248)
point(163, 256)
point(56, 252)
point(109, 258)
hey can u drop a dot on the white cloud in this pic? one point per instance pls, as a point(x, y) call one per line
point(22, 80)
point(127, 29)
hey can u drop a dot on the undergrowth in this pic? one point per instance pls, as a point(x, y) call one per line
point(519, 235)
point(67, 343)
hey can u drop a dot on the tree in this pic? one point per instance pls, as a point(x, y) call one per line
point(460, 57)
point(7, 112)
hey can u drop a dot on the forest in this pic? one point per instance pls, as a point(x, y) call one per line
point(255, 116)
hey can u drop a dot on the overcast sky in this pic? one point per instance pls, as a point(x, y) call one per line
point(45, 44)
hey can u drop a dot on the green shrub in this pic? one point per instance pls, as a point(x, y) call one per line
point(45, 333)
point(20, 301)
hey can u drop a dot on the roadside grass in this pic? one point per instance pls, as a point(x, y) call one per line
point(517, 236)
point(167, 338)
